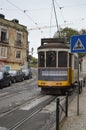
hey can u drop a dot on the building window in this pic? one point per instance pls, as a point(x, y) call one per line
point(3, 52)
point(18, 54)
point(3, 35)
point(18, 39)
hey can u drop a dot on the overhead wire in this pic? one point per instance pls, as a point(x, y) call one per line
point(66, 6)
point(61, 7)
point(25, 12)
point(50, 19)
point(55, 15)
point(35, 23)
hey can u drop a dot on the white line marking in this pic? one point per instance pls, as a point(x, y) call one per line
point(34, 103)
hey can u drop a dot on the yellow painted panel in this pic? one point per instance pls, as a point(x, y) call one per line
point(53, 83)
point(72, 76)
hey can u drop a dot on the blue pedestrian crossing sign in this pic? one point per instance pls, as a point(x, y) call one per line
point(78, 44)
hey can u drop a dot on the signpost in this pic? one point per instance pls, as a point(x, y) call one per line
point(78, 45)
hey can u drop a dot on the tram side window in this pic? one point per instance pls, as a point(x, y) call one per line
point(41, 59)
point(50, 59)
point(62, 59)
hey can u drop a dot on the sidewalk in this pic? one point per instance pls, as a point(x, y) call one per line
point(74, 121)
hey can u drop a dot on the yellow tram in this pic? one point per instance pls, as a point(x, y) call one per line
point(57, 67)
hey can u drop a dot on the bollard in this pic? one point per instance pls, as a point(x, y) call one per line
point(57, 114)
point(66, 106)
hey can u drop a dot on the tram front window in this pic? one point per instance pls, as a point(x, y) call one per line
point(62, 59)
point(50, 59)
point(41, 59)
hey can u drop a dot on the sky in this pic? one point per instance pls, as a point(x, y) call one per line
point(39, 17)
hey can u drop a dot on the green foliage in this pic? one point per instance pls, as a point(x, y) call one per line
point(82, 31)
point(81, 55)
point(33, 62)
point(66, 33)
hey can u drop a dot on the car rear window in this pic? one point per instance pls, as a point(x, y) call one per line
point(12, 73)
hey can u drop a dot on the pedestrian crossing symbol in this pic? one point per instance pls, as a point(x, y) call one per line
point(78, 45)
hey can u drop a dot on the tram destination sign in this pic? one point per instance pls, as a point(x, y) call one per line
point(78, 44)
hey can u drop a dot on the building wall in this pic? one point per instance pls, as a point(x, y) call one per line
point(84, 66)
point(13, 52)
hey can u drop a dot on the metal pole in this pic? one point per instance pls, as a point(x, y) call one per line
point(57, 114)
point(78, 89)
point(56, 17)
point(66, 107)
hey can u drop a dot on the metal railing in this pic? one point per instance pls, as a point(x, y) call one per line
point(61, 108)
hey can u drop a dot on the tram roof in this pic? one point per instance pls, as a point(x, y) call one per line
point(53, 43)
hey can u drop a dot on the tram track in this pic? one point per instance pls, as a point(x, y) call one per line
point(28, 111)
point(19, 105)
point(36, 110)
point(28, 114)
point(5, 93)
point(16, 117)
point(9, 96)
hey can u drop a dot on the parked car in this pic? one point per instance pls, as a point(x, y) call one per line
point(28, 73)
point(5, 79)
point(17, 75)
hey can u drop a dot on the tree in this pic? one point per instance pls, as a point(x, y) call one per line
point(66, 33)
point(82, 31)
